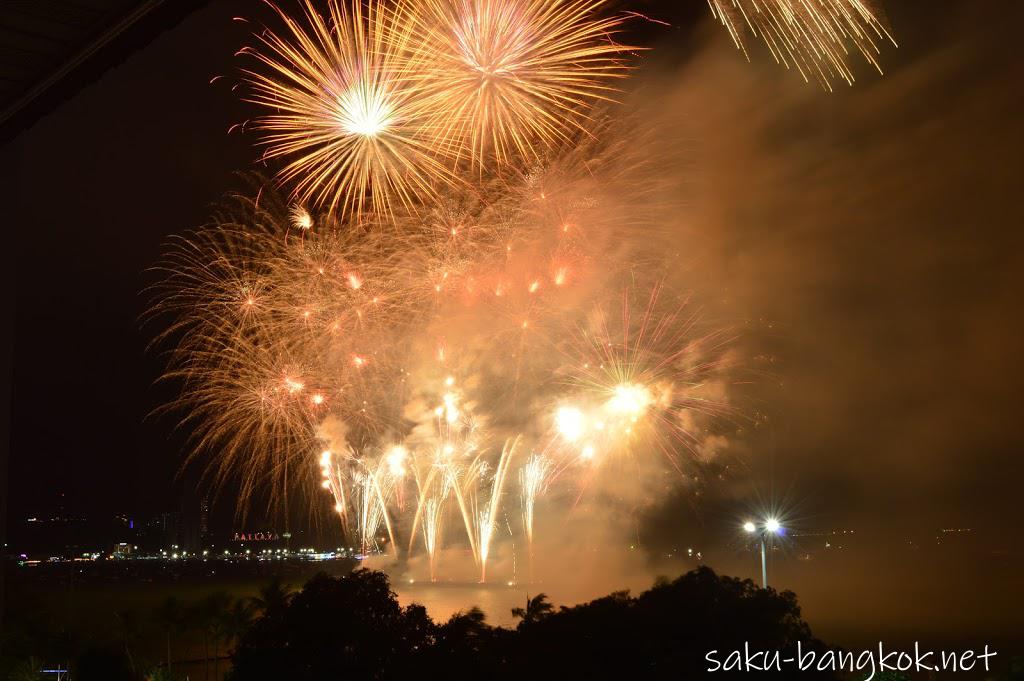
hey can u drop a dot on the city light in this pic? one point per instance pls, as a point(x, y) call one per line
point(771, 525)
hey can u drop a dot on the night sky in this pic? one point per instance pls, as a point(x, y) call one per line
point(871, 237)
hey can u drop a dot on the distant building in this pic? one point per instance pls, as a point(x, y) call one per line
point(164, 530)
point(204, 519)
point(123, 550)
point(194, 520)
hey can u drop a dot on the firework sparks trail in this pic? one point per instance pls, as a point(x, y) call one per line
point(533, 477)
point(375, 487)
point(368, 510)
point(396, 459)
point(432, 531)
point(456, 273)
point(808, 35)
point(485, 489)
point(334, 482)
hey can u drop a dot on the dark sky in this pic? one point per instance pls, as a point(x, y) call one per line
point(99, 184)
point(877, 230)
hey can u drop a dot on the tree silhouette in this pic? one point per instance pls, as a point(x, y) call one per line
point(537, 608)
point(466, 647)
point(130, 627)
point(28, 670)
point(159, 674)
point(350, 626)
point(207, 617)
point(354, 627)
point(229, 626)
point(665, 632)
point(273, 598)
point(170, 615)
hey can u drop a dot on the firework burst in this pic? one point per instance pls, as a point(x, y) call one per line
point(513, 78)
point(349, 125)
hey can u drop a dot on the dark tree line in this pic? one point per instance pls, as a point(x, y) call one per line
point(216, 621)
point(354, 627)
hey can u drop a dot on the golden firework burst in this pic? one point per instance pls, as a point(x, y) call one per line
point(350, 128)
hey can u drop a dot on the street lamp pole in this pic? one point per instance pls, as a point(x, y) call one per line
point(764, 565)
point(769, 527)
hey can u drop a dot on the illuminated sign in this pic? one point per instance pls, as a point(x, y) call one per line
point(256, 536)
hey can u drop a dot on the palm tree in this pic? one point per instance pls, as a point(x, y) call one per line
point(238, 620)
point(171, 616)
point(228, 625)
point(537, 608)
point(159, 674)
point(206, 615)
point(130, 626)
point(29, 670)
point(273, 598)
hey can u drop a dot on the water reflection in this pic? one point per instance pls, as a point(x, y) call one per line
point(443, 599)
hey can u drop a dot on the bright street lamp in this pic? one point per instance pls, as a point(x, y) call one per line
point(771, 526)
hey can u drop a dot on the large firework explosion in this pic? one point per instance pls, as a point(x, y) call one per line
point(459, 306)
